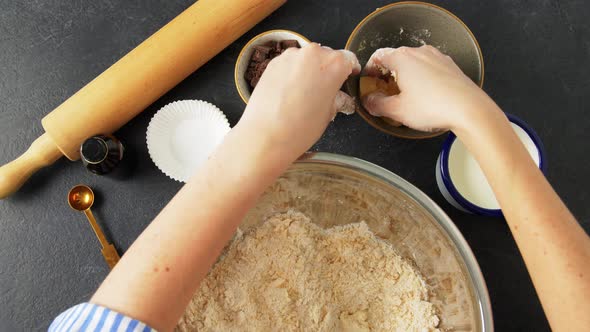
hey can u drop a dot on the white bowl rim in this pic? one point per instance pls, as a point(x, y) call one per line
point(245, 52)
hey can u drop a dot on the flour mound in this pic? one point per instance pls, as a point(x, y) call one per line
point(288, 274)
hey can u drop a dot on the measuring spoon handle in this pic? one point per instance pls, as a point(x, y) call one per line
point(97, 231)
point(110, 255)
point(108, 250)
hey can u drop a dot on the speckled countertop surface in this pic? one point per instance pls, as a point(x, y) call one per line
point(537, 58)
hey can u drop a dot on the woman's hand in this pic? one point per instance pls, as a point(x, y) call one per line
point(435, 94)
point(295, 99)
point(288, 111)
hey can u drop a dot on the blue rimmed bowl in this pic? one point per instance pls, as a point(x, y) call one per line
point(449, 189)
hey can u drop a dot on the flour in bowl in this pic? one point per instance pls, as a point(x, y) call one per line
point(288, 274)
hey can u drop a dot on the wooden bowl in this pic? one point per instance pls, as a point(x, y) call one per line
point(413, 24)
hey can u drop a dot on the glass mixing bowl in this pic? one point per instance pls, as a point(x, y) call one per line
point(335, 190)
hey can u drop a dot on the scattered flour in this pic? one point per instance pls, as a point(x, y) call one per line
point(290, 275)
point(403, 37)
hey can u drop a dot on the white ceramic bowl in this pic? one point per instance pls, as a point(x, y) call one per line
point(246, 53)
point(449, 188)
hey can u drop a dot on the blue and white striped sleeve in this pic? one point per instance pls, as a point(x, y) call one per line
point(92, 317)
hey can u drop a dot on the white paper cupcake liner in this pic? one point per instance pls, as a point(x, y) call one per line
point(183, 134)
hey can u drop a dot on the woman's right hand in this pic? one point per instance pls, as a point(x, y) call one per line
point(435, 94)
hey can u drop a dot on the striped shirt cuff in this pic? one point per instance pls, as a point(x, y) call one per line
point(95, 318)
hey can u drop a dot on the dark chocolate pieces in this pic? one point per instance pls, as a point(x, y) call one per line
point(260, 54)
point(285, 44)
point(261, 58)
point(258, 71)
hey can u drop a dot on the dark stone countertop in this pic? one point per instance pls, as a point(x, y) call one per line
point(537, 59)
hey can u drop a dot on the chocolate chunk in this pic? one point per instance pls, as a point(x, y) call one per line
point(256, 73)
point(254, 82)
point(290, 43)
point(275, 48)
point(260, 53)
point(261, 67)
point(251, 70)
point(249, 74)
point(273, 44)
point(261, 57)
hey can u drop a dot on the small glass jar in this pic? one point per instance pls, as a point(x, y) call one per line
point(101, 154)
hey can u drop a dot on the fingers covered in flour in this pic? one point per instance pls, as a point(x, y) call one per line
point(344, 103)
point(380, 104)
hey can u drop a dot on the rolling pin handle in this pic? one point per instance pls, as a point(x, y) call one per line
point(42, 152)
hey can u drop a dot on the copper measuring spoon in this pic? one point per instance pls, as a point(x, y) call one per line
point(81, 198)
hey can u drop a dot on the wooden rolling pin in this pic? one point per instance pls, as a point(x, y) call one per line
point(136, 81)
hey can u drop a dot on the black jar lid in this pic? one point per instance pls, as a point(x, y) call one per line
point(94, 150)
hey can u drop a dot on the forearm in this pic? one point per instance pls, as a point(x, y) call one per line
point(289, 110)
point(555, 248)
point(158, 275)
